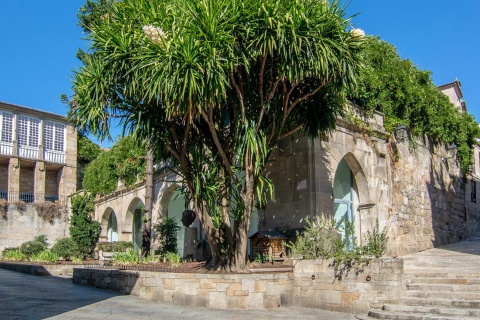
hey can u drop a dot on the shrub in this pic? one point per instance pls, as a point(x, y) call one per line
point(42, 239)
point(66, 248)
point(375, 241)
point(120, 246)
point(173, 258)
point(13, 254)
point(31, 248)
point(45, 256)
point(318, 240)
point(130, 257)
point(167, 235)
point(83, 229)
point(48, 211)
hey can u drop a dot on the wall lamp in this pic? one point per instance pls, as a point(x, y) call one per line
point(401, 133)
point(452, 149)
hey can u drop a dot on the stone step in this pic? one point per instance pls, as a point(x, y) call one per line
point(465, 270)
point(444, 287)
point(425, 275)
point(442, 294)
point(442, 311)
point(381, 314)
point(438, 280)
point(440, 302)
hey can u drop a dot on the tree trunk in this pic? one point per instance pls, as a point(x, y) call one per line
point(147, 222)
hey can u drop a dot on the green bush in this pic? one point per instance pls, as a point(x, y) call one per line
point(120, 246)
point(375, 242)
point(31, 248)
point(83, 229)
point(65, 248)
point(173, 258)
point(13, 254)
point(130, 257)
point(167, 235)
point(45, 256)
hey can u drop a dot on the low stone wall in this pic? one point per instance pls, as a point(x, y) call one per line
point(312, 285)
point(315, 285)
point(57, 270)
point(220, 291)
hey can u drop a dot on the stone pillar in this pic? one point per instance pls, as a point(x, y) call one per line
point(13, 179)
point(190, 247)
point(39, 182)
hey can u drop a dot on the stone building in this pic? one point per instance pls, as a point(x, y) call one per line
point(358, 173)
point(38, 155)
point(38, 162)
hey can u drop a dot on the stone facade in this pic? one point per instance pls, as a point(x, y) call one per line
point(20, 226)
point(38, 160)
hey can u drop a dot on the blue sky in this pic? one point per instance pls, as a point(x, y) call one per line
point(40, 38)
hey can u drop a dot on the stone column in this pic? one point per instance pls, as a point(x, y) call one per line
point(39, 183)
point(13, 179)
point(190, 251)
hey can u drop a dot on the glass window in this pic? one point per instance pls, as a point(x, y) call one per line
point(7, 127)
point(54, 136)
point(27, 131)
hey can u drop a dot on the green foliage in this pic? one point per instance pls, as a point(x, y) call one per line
point(321, 240)
point(125, 161)
point(129, 257)
point(120, 246)
point(13, 254)
point(375, 241)
point(407, 95)
point(31, 248)
point(173, 258)
point(66, 248)
point(167, 231)
point(45, 256)
point(84, 231)
point(87, 151)
point(217, 84)
point(318, 240)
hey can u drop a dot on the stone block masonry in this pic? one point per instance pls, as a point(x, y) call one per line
point(312, 284)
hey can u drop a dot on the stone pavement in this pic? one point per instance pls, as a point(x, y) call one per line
point(27, 297)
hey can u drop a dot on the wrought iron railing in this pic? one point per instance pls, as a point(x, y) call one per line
point(31, 197)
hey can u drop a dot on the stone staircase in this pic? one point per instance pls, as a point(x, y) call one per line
point(441, 283)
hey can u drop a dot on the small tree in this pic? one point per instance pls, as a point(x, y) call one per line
point(167, 235)
point(84, 231)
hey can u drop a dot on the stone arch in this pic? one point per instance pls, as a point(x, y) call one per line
point(104, 222)
point(134, 221)
point(358, 201)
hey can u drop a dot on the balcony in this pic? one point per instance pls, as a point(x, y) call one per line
point(33, 153)
point(31, 197)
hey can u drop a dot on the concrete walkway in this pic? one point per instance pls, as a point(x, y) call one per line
point(30, 297)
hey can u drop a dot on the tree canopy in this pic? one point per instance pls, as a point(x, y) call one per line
point(406, 95)
point(216, 84)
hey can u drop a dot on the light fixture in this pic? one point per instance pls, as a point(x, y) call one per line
point(401, 133)
point(452, 149)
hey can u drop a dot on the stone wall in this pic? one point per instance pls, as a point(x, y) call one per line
point(312, 284)
point(21, 226)
point(219, 291)
point(430, 207)
point(377, 283)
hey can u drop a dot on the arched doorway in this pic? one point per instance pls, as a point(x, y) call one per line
point(112, 228)
point(345, 203)
point(109, 226)
point(176, 206)
point(134, 222)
